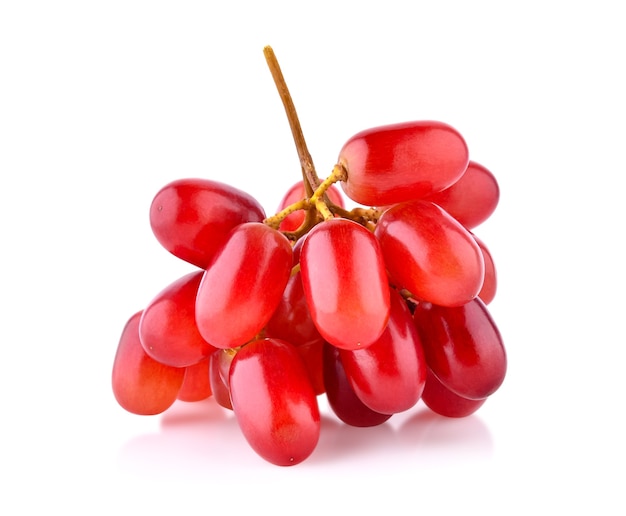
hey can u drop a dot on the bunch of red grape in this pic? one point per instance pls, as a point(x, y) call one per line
point(375, 308)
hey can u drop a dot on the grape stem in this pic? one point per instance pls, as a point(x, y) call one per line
point(317, 204)
point(275, 220)
point(317, 199)
point(311, 181)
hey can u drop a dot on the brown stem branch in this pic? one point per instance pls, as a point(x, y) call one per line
point(309, 176)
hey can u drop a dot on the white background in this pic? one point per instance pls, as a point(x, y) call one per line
point(102, 103)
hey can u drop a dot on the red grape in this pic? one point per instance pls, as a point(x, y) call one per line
point(473, 198)
point(345, 283)
point(429, 253)
point(438, 398)
point(192, 218)
point(463, 347)
point(243, 286)
point(389, 375)
point(274, 402)
point(168, 328)
point(402, 162)
point(196, 385)
point(142, 385)
point(341, 397)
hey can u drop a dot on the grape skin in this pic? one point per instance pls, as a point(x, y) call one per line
point(168, 329)
point(463, 347)
point(345, 283)
point(429, 253)
point(243, 285)
point(192, 218)
point(342, 399)
point(142, 385)
point(274, 401)
point(389, 375)
point(402, 162)
point(472, 199)
point(438, 398)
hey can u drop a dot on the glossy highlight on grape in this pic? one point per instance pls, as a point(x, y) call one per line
point(142, 385)
point(402, 162)
point(378, 308)
point(168, 329)
point(430, 254)
point(463, 347)
point(192, 217)
point(389, 375)
point(243, 285)
point(345, 284)
point(277, 413)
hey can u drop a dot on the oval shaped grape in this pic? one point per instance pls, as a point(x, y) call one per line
point(473, 198)
point(243, 286)
point(192, 218)
point(168, 329)
point(430, 254)
point(342, 399)
point(345, 283)
point(402, 162)
point(463, 347)
point(389, 375)
point(141, 385)
point(277, 412)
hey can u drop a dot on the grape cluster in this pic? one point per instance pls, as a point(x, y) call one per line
point(375, 308)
